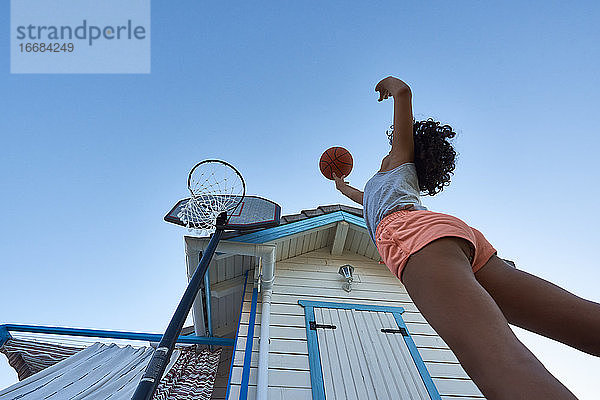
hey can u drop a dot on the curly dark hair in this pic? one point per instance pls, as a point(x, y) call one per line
point(434, 155)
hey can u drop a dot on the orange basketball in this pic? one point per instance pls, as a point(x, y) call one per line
point(336, 159)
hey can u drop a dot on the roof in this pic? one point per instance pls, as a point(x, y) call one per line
point(303, 215)
point(321, 210)
point(103, 371)
point(312, 213)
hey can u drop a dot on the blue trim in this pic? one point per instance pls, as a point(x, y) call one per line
point(248, 353)
point(314, 357)
point(414, 352)
point(4, 335)
point(208, 305)
point(354, 219)
point(350, 306)
point(149, 337)
point(270, 234)
point(236, 337)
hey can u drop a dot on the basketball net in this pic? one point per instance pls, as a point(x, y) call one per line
point(215, 187)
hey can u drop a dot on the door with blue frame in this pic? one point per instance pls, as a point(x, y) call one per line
point(359, 351)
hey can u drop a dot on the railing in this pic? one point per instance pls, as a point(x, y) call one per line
point(149, 337)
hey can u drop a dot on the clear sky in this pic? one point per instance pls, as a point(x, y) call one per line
point(91, 163)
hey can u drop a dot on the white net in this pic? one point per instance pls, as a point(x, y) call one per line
point(215, 187)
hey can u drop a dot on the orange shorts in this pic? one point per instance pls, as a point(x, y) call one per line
point(403, 233)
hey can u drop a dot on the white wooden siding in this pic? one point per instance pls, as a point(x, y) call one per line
point(314, 276)
point(225, 310)
point(222, 269)
point(358, 241)
point(300, 243)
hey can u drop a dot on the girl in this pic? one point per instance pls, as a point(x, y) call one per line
point(452, 273)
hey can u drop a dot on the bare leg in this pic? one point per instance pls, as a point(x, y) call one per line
point(539, 306)
point(441, 283)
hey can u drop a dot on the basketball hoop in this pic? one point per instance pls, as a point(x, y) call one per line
point(216, 187)
point(217, 203)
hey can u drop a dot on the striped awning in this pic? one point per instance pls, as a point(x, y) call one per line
point(110, 372)
point(28, 357)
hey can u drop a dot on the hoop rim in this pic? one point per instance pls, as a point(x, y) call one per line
point(209, 160)
point(199, 212)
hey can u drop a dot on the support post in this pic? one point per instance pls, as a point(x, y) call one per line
point(341, 232)
point(158, 363)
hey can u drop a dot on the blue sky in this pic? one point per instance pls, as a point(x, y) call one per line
point(91, 163)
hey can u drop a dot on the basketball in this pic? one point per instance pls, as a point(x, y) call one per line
point(336, 160)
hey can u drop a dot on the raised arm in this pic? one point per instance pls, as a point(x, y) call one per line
point(347, 190)
point(403, 148)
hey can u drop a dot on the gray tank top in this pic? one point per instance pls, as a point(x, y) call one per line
point(390, 191)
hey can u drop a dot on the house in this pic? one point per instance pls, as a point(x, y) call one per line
point(325, 341)
point(299, 329)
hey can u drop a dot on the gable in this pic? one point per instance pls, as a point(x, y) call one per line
point(335, 231)
point(339, 230)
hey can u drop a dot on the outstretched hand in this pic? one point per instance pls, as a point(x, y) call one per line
point(347, 190)
point(339, 181)
point(391, 86)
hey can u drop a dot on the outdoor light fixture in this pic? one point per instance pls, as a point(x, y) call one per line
point(346, 271)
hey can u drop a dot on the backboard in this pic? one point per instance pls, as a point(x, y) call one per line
point(252, 213)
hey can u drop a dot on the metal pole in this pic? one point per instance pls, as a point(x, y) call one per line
point(160, 359)
point(208, 302)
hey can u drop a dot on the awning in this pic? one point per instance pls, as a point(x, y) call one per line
point(110, 372)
